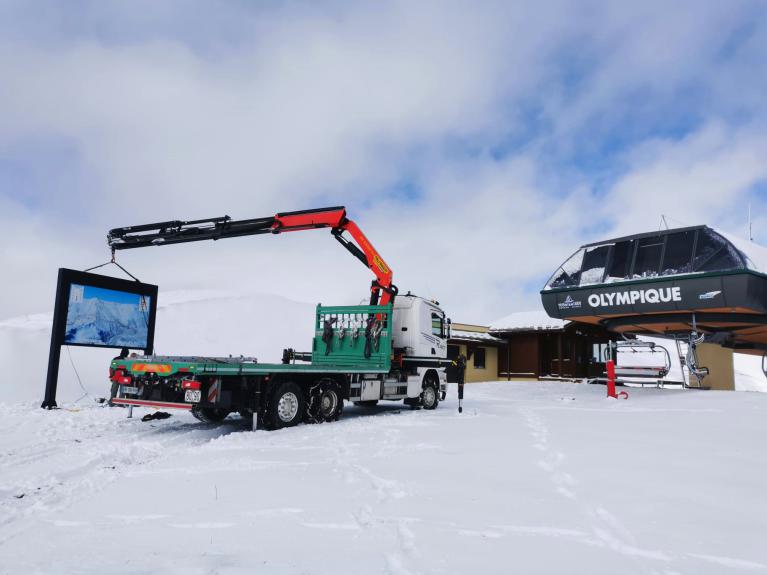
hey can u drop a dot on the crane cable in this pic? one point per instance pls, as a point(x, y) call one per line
point(113, 261)
point(79, 381)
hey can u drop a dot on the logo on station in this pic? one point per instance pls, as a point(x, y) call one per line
point(709, 295)
point(650, 296)
point(569, 303)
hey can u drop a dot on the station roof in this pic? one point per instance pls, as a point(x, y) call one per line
point(474, 337)
point(537, 320)
point(674, 252)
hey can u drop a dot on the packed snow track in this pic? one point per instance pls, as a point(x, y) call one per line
point(531, 478)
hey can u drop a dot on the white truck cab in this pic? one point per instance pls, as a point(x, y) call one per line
point(421, 330)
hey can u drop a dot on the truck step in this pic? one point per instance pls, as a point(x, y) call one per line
point(148, 403)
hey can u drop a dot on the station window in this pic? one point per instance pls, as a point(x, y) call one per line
point(600, 352)
point(647, 262)
point(714, 253)
point(569, 274)
point(479, 358)
point(618, 268)
point(677, 258)
point(594, 261)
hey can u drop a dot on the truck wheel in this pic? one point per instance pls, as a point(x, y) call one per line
point(429, 395)
point(366, 403)
point(286, 406)
point(209, 414)
point(331, 403)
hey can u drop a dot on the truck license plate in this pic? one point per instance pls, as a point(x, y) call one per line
point(127, 390)
point(192, 396)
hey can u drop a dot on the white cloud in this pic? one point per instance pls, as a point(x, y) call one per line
point(305, 106)
point(706, 177)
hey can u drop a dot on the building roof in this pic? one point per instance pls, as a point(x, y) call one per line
point(537, 320)
point(658, 254)
point(473, 336)
point(756, 255)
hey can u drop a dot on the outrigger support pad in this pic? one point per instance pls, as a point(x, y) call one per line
point(461, 364)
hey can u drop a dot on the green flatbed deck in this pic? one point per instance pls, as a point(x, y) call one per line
point(342, 351)
point(165, 366)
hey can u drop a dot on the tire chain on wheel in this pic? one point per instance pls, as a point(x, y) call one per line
point(429, 382)
point(314, 402)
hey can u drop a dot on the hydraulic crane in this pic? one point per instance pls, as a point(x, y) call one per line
point(382, 290)
point(386, 350)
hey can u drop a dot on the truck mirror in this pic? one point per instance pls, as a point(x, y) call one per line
point(449, 329)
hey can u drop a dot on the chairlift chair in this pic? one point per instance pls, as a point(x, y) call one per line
point(656, 373)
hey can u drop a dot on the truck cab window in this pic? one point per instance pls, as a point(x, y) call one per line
point(437, 325)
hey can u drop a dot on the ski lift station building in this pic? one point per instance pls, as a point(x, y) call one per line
point(665, 283)
point(671, 283)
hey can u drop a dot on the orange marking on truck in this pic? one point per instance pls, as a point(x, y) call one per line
point(152, 367)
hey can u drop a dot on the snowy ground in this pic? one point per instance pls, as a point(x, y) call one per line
point(531, 478)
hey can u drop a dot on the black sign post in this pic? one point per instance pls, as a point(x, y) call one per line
point(66, 279)
point(52, 380)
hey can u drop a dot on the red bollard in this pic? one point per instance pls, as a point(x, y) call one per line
point(611, 382)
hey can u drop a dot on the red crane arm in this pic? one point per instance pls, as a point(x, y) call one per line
point(335, 218)
point(382, 290)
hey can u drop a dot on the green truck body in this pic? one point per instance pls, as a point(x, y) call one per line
point(346, 353)
point(351, 358)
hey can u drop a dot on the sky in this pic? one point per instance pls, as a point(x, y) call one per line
point(477, 144)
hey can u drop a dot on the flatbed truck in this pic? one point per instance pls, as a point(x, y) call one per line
point(393, 349)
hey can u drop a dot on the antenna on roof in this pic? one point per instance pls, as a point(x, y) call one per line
point(750, 234)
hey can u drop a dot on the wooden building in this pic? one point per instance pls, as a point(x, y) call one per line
point(540, 347)
point(480, 349)
point(530, 345)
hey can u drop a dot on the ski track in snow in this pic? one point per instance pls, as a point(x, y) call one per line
point(84, 467)
point(390, 491)
point(607, 530)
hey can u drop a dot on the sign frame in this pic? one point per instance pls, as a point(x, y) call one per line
point(68, 277)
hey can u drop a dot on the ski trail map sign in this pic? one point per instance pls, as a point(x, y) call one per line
point(93, 310)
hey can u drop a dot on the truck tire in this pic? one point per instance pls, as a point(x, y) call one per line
point(285, 407)
point(430, 393)
point(331, 402)
point(324, 402)
point(209, 414)
point(366, 403)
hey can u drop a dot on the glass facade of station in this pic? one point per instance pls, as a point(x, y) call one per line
point(644, 256)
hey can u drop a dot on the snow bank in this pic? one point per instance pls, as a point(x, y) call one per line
point(748, 373)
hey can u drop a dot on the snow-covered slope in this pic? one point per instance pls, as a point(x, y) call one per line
point(531, 478)
point(188, 323)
